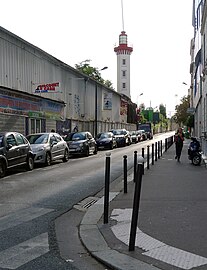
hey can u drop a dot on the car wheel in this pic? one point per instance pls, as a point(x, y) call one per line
point(48, 159)
point(87, 152)
point(96, 150)
point(2, 169)
point(111, 146)
point(66, 156)
point(30, 163)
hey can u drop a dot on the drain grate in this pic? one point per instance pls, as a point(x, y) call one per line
point(86, 203)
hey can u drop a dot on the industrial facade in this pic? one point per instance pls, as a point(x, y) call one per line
point(39, 92)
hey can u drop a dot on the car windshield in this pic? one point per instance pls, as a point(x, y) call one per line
point(78, 136)
point(119, 132)
point(103, 135)
point(140, 131)
point(146, 128)
point(38, 138)
point(133, 133)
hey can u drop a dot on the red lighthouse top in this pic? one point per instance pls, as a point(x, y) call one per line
point(123, 48)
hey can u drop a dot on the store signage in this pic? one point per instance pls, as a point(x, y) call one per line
point(48, 88)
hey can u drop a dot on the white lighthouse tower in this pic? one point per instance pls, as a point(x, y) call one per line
point(123, 52)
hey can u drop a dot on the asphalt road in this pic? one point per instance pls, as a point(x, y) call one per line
point(32, 205)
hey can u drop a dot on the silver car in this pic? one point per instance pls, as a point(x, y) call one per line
point(48, 147)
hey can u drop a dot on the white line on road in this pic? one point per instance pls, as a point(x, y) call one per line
point(21, 216)
point(29, 250)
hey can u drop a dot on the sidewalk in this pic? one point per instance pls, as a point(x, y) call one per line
point(171, 231)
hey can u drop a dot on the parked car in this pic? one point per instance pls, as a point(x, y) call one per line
point(134, 136)
point(81, 143)
point(122, 137)
point(143, 135)
point(106, 140)
point(147, 127)
point(15, 151)
point(48, 147)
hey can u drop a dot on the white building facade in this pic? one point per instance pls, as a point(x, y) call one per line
point(39, 92)
point(199, 71)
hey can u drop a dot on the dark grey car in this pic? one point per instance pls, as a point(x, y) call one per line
point(15, 151)
point(81, 143)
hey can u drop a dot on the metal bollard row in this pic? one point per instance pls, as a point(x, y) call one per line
point(156, 153)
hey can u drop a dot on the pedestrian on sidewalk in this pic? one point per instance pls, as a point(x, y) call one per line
point(179, 138)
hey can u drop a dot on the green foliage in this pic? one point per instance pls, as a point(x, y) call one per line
point(181, 114)
point(162, 110)
point(85, 68)
point(190, 121)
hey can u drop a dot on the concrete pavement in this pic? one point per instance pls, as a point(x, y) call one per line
point(171, 231)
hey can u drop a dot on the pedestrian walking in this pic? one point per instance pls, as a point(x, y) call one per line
point(179, 138)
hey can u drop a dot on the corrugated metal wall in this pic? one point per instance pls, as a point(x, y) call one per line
point(12, 123)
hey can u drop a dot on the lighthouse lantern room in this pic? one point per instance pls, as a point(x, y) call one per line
point(123, 52)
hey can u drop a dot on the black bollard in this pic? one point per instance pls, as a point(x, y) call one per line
point(106, 193)
point(148, 157)
point(153, 149)
point(125, 173)
point(161, 148)
point(158, 151)
point(135, 164)
point(143, 160)
point(165, 144)
point(135, 210)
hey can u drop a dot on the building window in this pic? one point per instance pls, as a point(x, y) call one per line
point(123, 85)
point(123, 62)
point(36, 125)
point(123, 73)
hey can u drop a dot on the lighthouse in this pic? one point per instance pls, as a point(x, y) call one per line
point(123, 52)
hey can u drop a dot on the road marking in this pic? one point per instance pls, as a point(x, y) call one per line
point(29, 250)
point(153, 247)
point(22, 216)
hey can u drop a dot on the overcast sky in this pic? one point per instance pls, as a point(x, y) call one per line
point(73, 31)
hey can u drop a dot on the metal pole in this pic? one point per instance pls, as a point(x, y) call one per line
point(153, 150)
point(161, 148)
point(158, 150)
point(135, 164)
point(96, 110)
point(125, 173)
point(135, 209)
point(106, 193)
point(143, 160)
point(165, 144)
point(147, 156)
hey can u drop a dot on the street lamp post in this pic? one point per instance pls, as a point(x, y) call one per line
point(96, 106)
point(138, 99)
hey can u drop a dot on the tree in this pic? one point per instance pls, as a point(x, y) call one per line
point(86, 68)
point(162, 110)
point(181, 114)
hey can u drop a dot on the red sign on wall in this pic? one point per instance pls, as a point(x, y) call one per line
point(48, 87)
